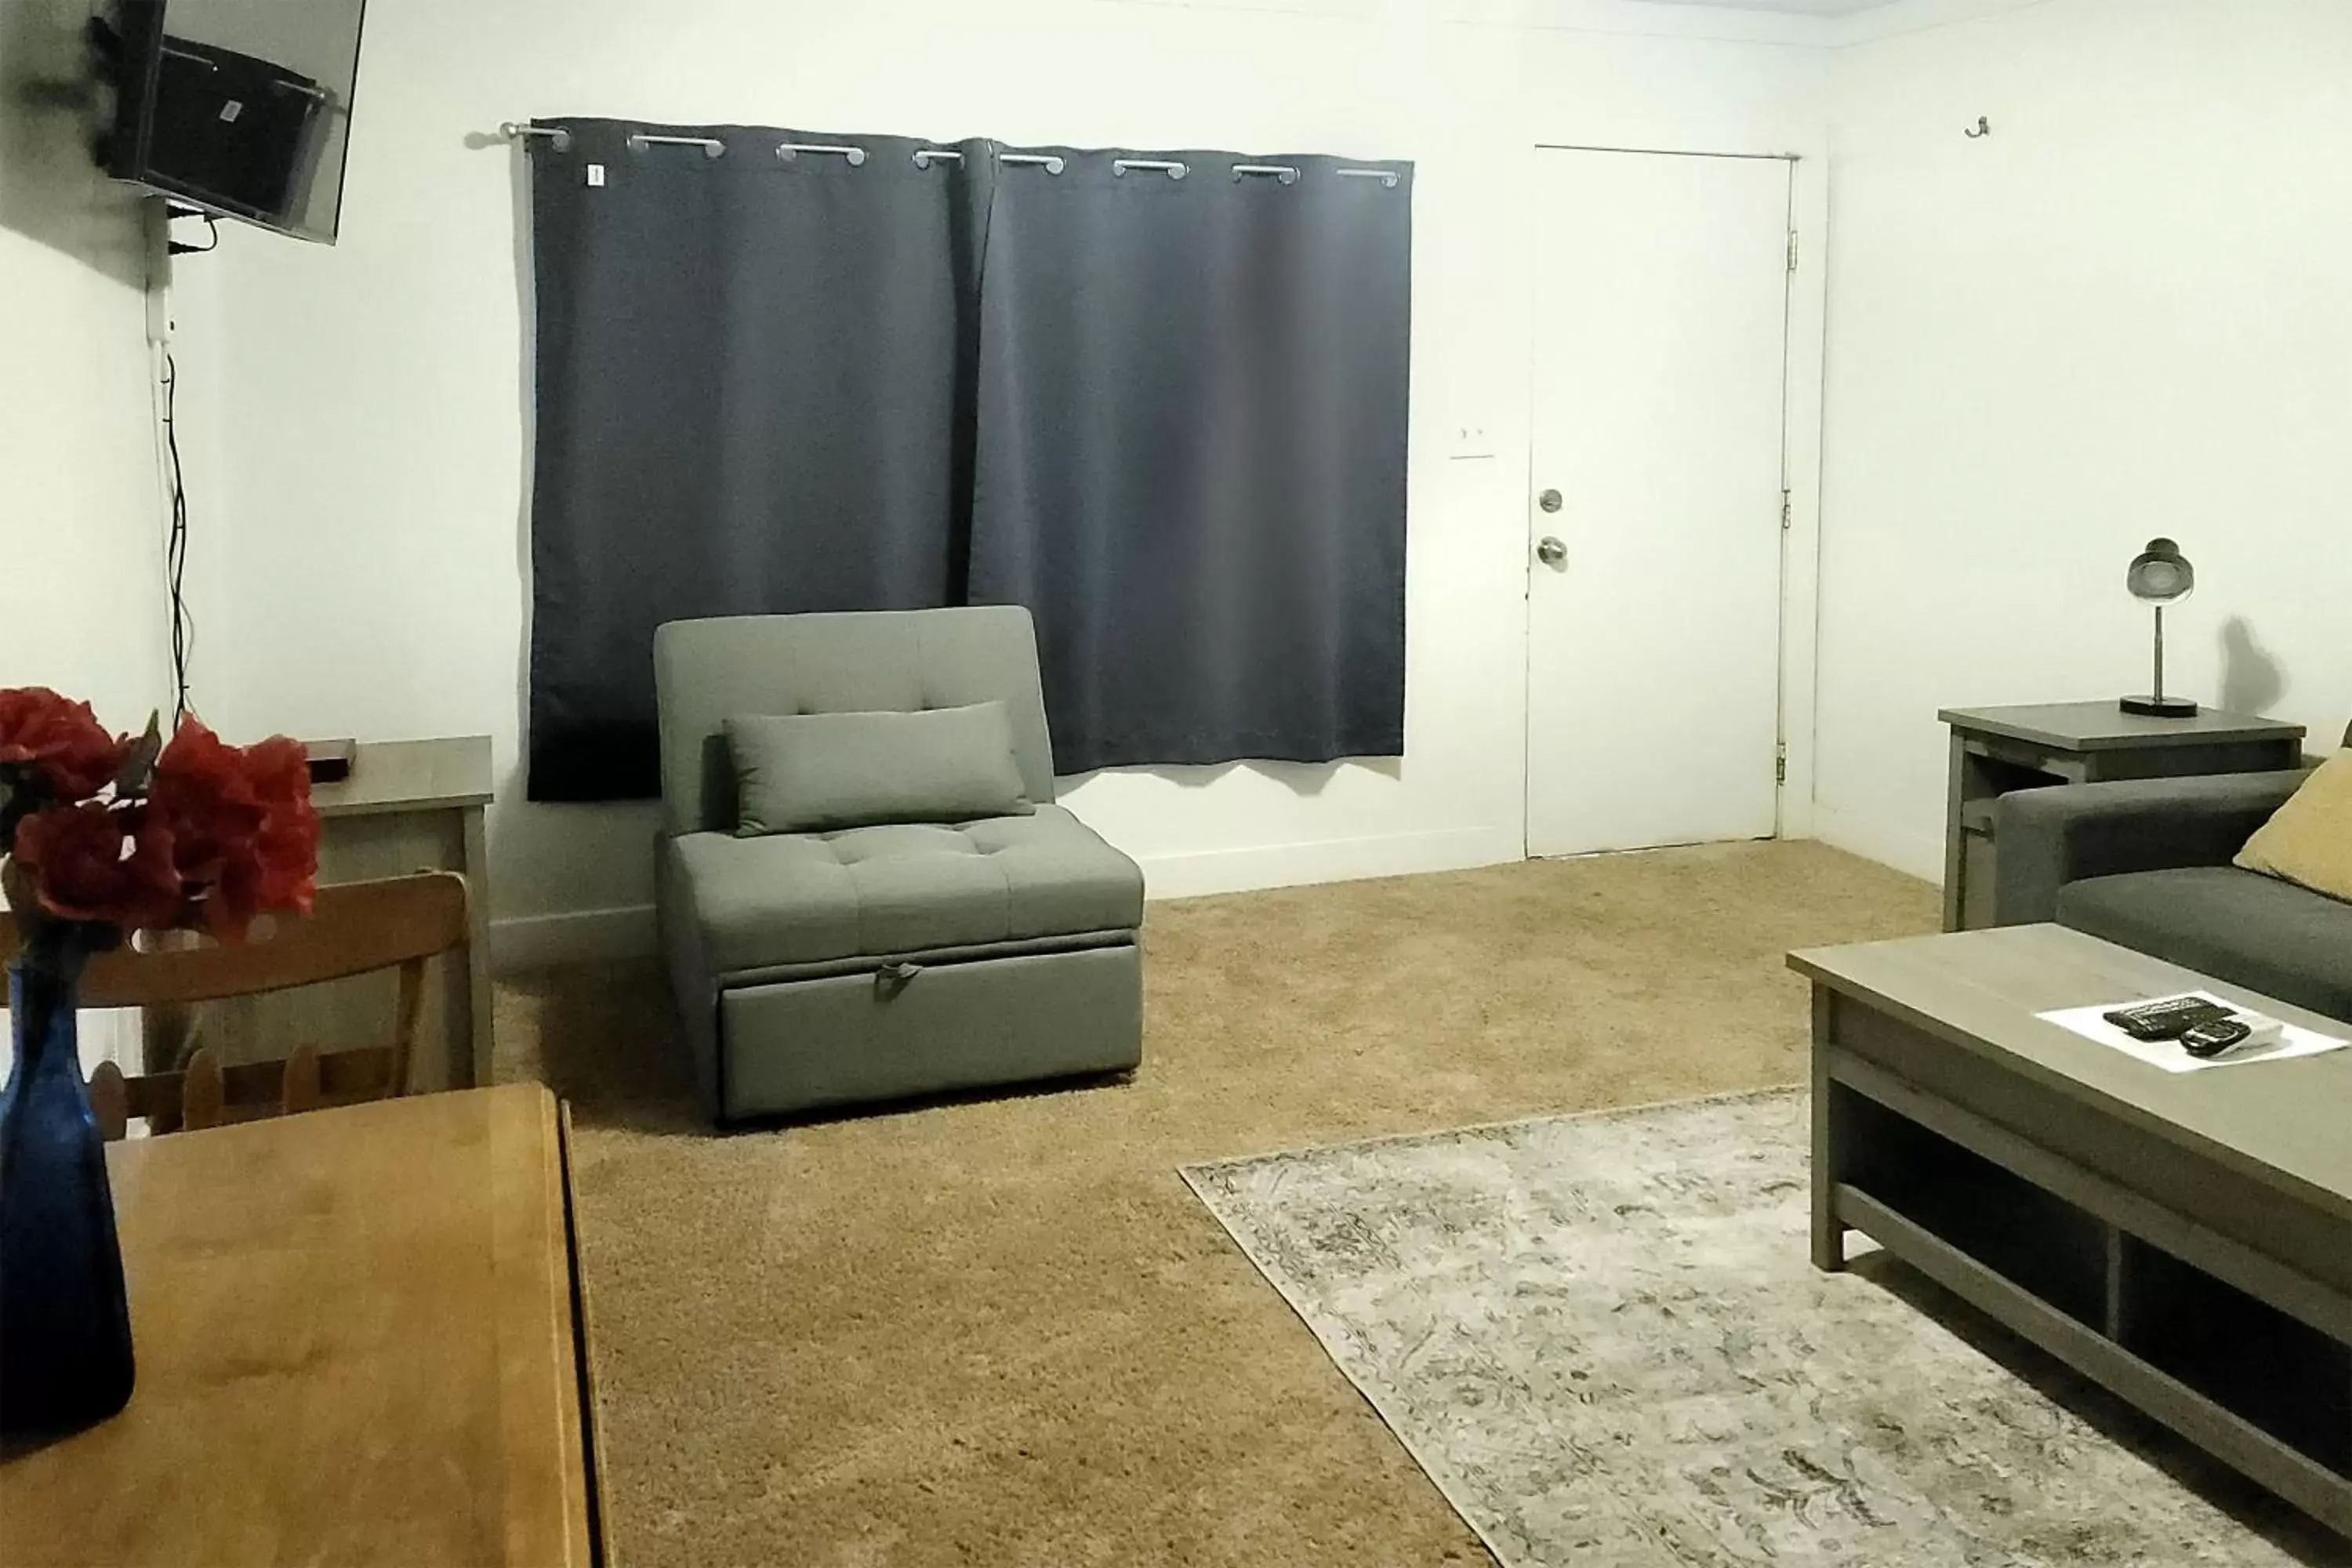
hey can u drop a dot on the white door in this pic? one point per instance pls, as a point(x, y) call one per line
point(1654, 507)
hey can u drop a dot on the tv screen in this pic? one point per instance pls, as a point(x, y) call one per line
point(242, 108)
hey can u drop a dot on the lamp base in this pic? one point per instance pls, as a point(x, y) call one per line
point(2160, 707)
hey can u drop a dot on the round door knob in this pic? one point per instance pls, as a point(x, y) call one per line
point(1549, 500)
point(1550, 551)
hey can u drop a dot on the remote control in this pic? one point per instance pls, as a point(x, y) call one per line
point(2211, 1039)
point(2168, 1018)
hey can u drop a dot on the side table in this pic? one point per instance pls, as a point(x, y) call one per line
point(1996, 750)
point(408, 805)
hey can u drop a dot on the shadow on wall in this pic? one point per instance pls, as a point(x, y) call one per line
point(51, 190)
point(2252, 680)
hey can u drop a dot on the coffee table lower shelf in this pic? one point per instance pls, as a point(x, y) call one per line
point(2183, 1239)
point(2017, 1233)
point(2212, 1425)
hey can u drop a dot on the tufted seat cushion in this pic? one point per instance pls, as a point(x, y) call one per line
point(811, 897)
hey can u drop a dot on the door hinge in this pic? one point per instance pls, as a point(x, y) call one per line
point(1781, 764)
point(1788, 511)
point(1792, 250)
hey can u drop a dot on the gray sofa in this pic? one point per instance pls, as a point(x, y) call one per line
point(2146, 864)
point(874, 963)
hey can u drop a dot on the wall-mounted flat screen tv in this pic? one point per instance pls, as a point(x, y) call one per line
point(241, 108)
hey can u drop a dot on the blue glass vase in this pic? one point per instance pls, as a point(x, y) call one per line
point(65, 1326)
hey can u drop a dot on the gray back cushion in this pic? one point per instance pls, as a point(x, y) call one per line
point(815, 772)
point(907, 661)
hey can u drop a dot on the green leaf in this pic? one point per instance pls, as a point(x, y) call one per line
point(139, 763)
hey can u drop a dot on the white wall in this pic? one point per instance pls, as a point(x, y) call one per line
point(81, 599)
point(2119, 315)
point(81, 541)
point(2124, 313)
point(372, 416)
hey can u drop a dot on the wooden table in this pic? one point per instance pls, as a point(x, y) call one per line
point(408, 805)
point(1996, 750)
point(2185, 1239)
point(359, 1342)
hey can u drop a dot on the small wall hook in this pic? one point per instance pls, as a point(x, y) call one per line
point(1983, 128)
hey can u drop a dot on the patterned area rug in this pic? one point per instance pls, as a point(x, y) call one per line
point(1601, 1338)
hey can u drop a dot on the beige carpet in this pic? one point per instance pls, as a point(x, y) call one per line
point(1002, 1332)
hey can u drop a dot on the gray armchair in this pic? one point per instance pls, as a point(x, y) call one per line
point(889, 959)
point(2146, 864)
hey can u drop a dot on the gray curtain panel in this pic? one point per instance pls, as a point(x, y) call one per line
point(754, 395)
point(1192, 451)
point(1167, 415)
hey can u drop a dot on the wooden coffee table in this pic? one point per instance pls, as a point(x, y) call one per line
point(2185, 1239)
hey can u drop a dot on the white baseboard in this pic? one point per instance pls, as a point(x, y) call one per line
point(1875, 838)
point(1329, 860)
point(528, 942)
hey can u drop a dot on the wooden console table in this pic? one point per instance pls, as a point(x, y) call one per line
point(1996, 750)
point(408, 805)
point(359, 1340)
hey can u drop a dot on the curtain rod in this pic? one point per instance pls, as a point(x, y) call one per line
point(516, 130)
point(561, 141)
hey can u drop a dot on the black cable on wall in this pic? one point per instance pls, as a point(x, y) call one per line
point(175, 548)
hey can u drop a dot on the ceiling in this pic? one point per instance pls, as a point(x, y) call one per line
point(1801, 7)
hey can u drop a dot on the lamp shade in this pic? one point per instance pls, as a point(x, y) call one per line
point(2160, 574)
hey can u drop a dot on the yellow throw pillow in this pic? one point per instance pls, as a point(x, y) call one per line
point(2308, 841)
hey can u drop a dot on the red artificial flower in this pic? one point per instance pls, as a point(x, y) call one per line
point(288, 844)
point(60, 740)
point(244, 834)
point(202, 793)
point(94, 862)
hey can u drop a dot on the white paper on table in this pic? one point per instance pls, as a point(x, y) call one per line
point(2171, 1055)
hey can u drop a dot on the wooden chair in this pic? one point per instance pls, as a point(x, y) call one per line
point(355, 928)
